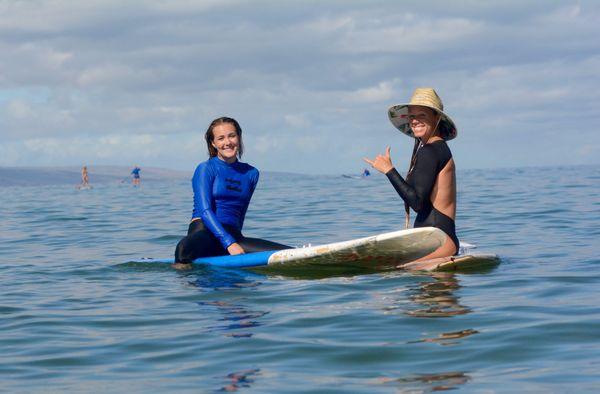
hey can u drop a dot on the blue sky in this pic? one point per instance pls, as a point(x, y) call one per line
point(107, 82)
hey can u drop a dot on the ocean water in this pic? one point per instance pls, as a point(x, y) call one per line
point(75, 316)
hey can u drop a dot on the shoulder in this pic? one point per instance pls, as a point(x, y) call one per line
point(443, 151)
point(247, 169)
point(427, 152)
point(435, 155)
point(437, 149)
point(249, 172)
point(202, 165)
point(204, 168)
point(428, 156)
point(245, 166)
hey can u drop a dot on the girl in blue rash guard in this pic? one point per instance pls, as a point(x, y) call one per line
point(223, 187)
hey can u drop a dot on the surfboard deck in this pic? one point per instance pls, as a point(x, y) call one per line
point(393, 250)
point(463, 263)
point(379, 251)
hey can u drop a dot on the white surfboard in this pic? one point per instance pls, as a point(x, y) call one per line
point(375, 252)
point(378, 251)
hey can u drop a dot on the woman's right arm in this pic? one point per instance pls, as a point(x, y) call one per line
point(423, 175)
point(202, 183)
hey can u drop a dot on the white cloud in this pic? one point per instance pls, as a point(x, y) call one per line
point(99, 75)
point(143, 79)
point(381, 92)
point(410, 34)
point(18, 109)
point(308, 143)
point(296, 121)
point(109, 149)
point(266, 143)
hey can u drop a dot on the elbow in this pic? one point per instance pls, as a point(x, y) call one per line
point(417, 205)
point(205, 214)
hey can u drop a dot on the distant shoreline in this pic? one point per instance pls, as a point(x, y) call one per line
point(101, 174)
point(105, 174)
point(44, 176)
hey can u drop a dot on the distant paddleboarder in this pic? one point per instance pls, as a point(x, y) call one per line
point(85, 179)
point(430, 184)
point(136, 176)
point(223, 187)
point(366, 173)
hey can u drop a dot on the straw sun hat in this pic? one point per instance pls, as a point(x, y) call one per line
point(426, 97)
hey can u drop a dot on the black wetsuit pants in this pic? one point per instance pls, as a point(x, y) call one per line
point(201, 242)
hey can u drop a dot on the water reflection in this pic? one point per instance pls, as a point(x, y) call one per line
point(218, 279)
point(432, 297)
point(428, 382)
point(237, 319)
point(448, 338)
point(436, 298)
point(238, 380)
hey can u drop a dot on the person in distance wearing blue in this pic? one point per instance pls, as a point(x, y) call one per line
point(136, 176)
point(223, 187)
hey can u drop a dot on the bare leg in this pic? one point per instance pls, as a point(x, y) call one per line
point(433, 259)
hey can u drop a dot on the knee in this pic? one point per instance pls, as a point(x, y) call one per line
point(450, 248)
point(181, 254)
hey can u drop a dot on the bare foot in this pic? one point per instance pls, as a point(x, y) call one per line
point(182, 266)
point(425, 265)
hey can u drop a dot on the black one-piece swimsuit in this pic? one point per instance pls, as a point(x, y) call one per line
point(416, 189)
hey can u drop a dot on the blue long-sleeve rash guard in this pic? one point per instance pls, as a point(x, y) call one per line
point(222, 193)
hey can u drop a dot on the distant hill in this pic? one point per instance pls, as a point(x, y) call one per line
point(26, 176)
point(40, 176)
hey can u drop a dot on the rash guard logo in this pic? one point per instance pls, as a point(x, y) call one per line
point(233, 185)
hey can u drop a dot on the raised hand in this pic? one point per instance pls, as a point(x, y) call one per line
point(382, 163)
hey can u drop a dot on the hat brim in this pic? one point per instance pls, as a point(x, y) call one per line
point(398, 115)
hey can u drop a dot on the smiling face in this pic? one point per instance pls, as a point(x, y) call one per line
point(226, 141)
point(423, 121)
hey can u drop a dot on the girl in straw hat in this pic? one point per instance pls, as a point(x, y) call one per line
point(430, 184)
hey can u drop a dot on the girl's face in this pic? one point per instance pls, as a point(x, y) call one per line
point(226, 141)
point(423, 121)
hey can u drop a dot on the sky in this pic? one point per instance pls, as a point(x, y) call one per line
point(137, 83)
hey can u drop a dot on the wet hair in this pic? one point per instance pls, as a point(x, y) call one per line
point(444, 129)
point(209, 136)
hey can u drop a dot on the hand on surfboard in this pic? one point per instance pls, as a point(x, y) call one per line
point(235, 248)
point(382, 163)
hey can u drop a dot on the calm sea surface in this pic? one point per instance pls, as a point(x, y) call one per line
point(75, 316)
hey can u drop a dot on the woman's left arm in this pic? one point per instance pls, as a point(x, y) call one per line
point(254, 182)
